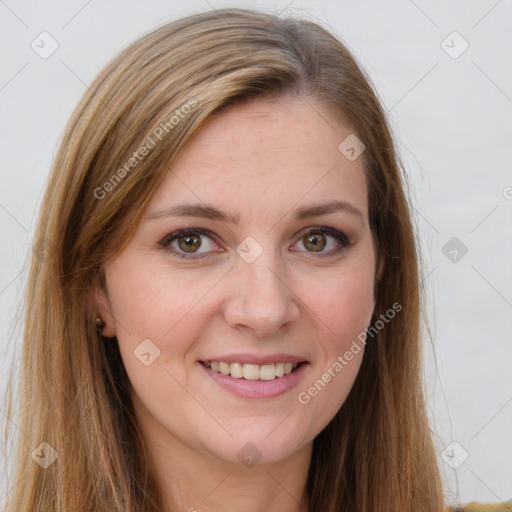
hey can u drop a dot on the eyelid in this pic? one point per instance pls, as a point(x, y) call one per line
point(167, 239)
point(340, 235)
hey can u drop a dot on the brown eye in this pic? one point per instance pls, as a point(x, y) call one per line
point(189, 243)
point(324, 241)
point(315, 242)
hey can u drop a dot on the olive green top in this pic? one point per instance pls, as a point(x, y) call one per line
point(484, 507)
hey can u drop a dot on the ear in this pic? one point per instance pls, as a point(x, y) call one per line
point(99, 306)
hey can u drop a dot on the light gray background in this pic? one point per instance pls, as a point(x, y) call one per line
point(452, 117)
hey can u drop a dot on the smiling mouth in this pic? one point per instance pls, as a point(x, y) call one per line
point(252, 371)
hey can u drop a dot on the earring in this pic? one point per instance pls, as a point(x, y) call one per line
point(99, 323)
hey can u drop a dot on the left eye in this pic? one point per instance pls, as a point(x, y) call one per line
point(317, 239)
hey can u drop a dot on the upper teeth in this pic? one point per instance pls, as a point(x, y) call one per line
point(252, 371)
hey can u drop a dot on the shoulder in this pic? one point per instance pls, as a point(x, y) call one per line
point(484, 507)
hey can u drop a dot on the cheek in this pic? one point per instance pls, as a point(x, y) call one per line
point(343, 307)
point(345, 302)
point(347, 307)
point(150, 301)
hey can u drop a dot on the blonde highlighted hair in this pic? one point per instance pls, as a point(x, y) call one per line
point(377, 452)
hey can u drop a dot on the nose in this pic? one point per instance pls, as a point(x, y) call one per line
point(260, 300)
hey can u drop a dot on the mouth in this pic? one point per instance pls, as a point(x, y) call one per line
point(248, 371)
point(257, 381)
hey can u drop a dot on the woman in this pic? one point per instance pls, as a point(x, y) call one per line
point(223, 311)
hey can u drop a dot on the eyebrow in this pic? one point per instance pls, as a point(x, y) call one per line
point(210, 212)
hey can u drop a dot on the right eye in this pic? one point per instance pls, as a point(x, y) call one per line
point(185, 243)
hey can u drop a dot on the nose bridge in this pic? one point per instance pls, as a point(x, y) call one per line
point(262, 302)
point(263, 281)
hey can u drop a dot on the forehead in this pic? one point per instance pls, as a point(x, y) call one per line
point(265, 154)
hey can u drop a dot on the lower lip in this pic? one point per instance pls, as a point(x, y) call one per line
point(257, 388)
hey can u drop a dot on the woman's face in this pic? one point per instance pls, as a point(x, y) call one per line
point(277, 267)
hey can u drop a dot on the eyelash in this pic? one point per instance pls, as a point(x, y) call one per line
point(168, 239)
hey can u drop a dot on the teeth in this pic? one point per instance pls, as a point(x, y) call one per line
point(252, 371)
point(236, 370)
point(267, 372)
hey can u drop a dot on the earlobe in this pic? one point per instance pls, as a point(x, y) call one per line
point(101, 311)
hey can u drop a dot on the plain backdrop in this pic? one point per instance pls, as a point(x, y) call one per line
point(442, 72)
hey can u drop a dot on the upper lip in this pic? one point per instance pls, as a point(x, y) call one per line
point(256, 359)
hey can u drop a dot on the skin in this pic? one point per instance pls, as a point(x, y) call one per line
point(261, 160)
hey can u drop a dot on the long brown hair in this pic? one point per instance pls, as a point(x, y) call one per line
point(377, 453)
